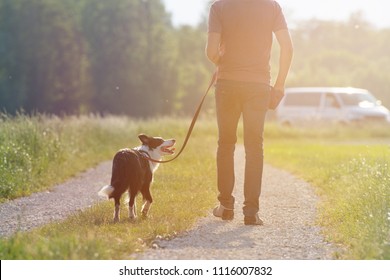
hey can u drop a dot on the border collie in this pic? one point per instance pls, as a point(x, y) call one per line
point(133, 172)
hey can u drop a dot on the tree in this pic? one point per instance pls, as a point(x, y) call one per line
point(131, 56)
point(193, 68)
point(124, 57)
point(45, 58)
point(12, 91)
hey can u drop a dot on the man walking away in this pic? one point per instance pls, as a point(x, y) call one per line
point(240, 35)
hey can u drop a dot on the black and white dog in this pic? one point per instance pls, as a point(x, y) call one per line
point(133, 172)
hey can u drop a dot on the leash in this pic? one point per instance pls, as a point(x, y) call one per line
point(212, 81)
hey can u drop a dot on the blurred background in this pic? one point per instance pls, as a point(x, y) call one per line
point(144, 58)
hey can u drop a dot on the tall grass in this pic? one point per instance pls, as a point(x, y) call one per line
point(39, 151)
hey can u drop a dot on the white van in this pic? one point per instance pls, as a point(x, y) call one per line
point(330, 104)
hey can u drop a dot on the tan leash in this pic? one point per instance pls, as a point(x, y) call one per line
point(213, 79)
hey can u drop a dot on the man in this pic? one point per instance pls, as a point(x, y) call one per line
point(239, 43)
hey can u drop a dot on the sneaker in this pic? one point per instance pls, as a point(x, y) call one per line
point(223, 212)
point(253, 221)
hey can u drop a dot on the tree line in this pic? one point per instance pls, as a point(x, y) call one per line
point(77, 56)
point(126, 57)
point(351, 53)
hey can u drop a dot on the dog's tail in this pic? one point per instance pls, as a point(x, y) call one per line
point(106, 191)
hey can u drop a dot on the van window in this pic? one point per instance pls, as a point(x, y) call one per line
point(356, 99)
point(305, 99)
point(331, 101)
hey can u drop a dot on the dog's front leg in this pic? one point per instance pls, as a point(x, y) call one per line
point(148, 200)
point(132, 212)
point(145, 208)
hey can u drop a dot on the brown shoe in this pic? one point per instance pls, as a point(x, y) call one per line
point(222, 212)
point(253, 221)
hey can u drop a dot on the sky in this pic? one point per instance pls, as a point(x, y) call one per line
point(374, 11)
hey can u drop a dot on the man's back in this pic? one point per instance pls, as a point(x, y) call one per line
point(246, 28)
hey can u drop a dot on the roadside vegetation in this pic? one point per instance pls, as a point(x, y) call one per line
point(349, 167)
point(353, 181)
point(39, 151)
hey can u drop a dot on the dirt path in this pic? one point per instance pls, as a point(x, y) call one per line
point(288, 208)
point(41, 208)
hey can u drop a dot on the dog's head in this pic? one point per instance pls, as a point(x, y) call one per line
point(158, 145)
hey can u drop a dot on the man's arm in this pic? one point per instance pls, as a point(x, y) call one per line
point(213, 49)
point(286, 54)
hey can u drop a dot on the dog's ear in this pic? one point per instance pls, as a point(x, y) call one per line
point(144, 139)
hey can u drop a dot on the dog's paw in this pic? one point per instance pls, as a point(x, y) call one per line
point(133, 219)
point(116, 220)
point(144, 214)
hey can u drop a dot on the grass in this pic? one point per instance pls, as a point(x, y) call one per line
point(38, 152)
point(91, 234)
point(349, 167)
point(353, 180)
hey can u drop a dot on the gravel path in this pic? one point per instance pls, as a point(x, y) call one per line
point(288, 208)
point(41, 208)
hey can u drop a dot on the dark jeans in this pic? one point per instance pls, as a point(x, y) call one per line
point(250, 100)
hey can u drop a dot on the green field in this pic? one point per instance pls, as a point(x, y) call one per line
point(354, 184)
point(348, 166)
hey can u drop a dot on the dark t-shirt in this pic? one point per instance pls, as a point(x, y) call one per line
point(246, 28)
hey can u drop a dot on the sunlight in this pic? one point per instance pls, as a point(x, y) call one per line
point(338, 10)
point(191, 11)
point(186, 12)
